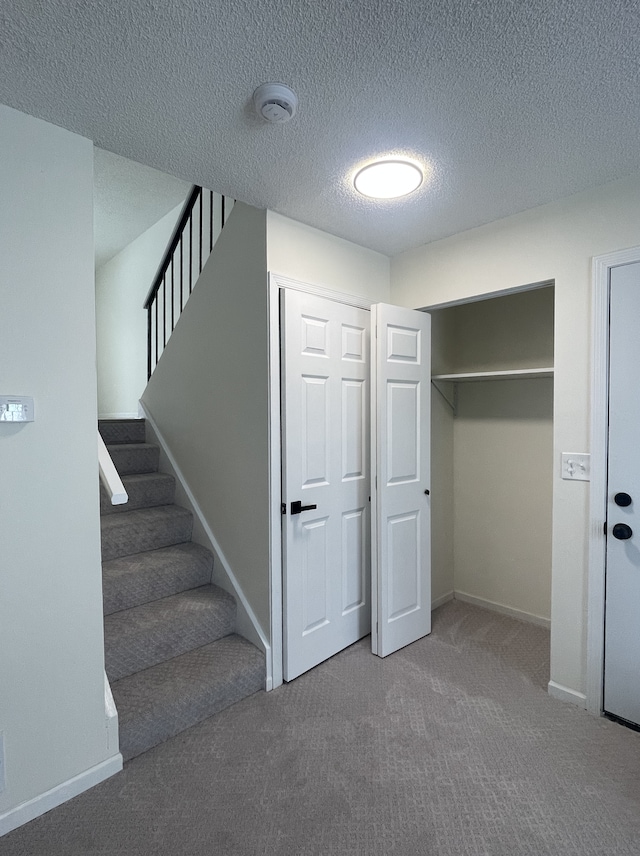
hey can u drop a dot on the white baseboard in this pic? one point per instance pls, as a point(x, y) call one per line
point(247, 622)
point(118, 416)
point(566, 694)
point(439, 601)
point(33, 808)
point(505, 610)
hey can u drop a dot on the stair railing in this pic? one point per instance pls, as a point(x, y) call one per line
point(109, 475)
point(201, 221)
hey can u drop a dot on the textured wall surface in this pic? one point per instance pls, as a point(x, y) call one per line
point(129, 198)
point(512, 104)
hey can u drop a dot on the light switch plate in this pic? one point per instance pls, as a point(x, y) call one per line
point(576, 466)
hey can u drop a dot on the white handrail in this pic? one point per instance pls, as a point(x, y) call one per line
point(109, 475)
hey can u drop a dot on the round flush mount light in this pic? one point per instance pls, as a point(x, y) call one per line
point(275, 102)
point(388, 179)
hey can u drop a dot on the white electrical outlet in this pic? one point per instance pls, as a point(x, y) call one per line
point(3, 781)
point(576, 466)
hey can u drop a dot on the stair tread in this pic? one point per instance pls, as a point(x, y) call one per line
point(171, 651)
point(144, 529)
point(145, 490)
point(123, 447)
point(145, 635)
point(158, 512)
point(132, 580)
point(115, 431)
point(160, 702)
point(130, 458)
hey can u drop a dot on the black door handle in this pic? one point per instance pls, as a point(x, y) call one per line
point(622, 532)
point(297, 507)
point(622, 499)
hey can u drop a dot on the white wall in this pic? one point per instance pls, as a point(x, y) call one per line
point(502, 486)
point(209, 398)
point(554, 242)
point(121, 320)
point(308, 255)
point(52, 708)
point(498, 484)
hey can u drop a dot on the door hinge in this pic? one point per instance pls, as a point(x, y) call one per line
point(604, 528)
point(283, 508)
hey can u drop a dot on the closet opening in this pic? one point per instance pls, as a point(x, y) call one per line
point(492, 452)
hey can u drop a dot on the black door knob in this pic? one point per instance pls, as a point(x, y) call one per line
point(622, 499)
point(297, 507)
point(622, 532)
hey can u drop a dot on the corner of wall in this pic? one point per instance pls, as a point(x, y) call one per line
point(310, 255)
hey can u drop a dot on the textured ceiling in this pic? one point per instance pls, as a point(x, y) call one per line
point(512, 103)
point(128, 198)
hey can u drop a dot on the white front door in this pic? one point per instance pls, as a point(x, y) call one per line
point(401, 413)
point(622, 586)
point(326, 486)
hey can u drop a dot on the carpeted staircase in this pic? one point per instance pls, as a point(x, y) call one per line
point(171, 652)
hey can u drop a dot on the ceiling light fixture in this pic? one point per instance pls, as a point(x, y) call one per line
point(388, 179)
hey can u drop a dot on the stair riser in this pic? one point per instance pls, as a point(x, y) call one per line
point(140, 459)
point(121, 431)
point(170, 648)
point(146, 647)
point(127, 540)
point(160, 492)
point(211, 679)
point(133, 580)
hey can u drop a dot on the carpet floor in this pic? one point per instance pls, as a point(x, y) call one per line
point(451, 747)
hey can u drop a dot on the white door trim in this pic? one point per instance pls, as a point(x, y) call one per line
point(277, 282)
point(601, 267)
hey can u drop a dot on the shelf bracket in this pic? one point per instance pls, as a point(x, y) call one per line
point(452, 404)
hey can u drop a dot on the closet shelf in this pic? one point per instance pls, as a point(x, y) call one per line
point(515, 374)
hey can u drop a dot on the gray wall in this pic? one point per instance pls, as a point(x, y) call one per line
point(51, 645)
point(502, 485)
point(209, 399)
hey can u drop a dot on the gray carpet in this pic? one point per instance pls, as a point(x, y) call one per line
point(170, 647)
point(142, 577)
point(163, 629)
point(451, 747)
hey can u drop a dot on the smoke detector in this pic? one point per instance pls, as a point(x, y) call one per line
point(275, 102)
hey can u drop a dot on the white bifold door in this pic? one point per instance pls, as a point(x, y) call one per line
point(622, 604)
point(352, 449)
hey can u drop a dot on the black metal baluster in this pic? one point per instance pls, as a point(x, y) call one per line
point(156, 302)
point(190, 253)
point(200, 237)
point(210, 220)
point(173, 299)
point(164, 310)
point(148, 342)
point(181, 274)
point(178, 237)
